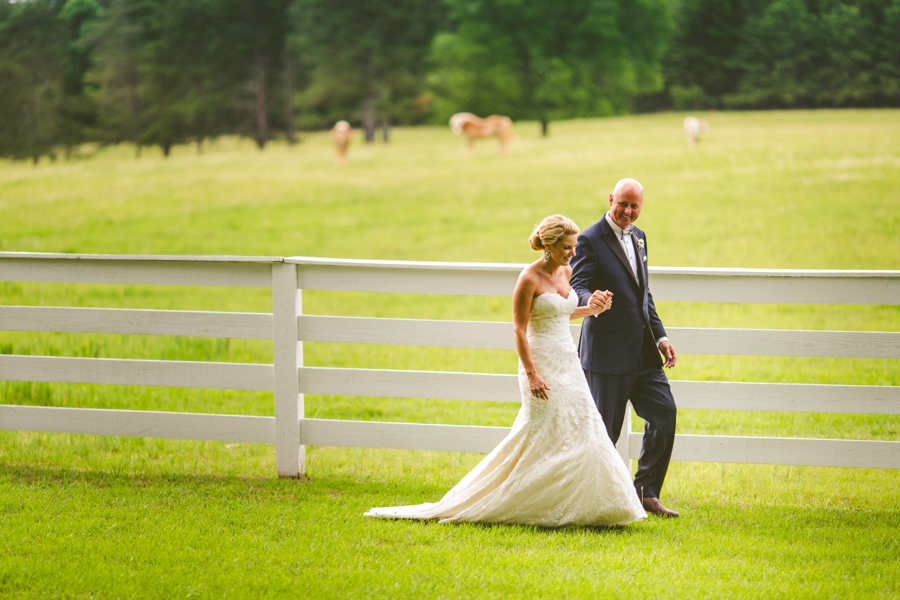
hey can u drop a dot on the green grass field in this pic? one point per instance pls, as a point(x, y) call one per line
point(100, 517)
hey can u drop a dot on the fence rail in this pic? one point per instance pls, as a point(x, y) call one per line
point(287, 327)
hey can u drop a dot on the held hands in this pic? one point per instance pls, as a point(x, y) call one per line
point(539, 387)
point(600, 301)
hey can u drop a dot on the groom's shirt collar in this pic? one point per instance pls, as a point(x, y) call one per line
point(615, 228)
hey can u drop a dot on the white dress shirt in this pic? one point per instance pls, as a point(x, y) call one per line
point(627, 242)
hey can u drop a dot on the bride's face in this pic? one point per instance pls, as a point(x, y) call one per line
point(563, 250)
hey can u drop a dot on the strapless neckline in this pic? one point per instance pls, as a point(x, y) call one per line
point(566, 297)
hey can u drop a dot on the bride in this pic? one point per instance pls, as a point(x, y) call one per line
point(557, 467)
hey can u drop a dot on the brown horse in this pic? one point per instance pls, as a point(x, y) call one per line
point(475, 127)
point(341, 133)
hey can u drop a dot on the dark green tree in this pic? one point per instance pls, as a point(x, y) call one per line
point(364, 59)
point(781, 50)
point(166, 72)
point(116, 76)
point(860, 40)
point(33, 41)
point(250, 50)
point(701, 62)
point(77, 109)
point(785, 54)
point(887, 53)
point(549, 60)
point(190, 92)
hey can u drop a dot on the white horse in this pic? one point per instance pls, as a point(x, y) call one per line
point(692, 128)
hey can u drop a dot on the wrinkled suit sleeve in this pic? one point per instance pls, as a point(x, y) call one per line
point(584, 267)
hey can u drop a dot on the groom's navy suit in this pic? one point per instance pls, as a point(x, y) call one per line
point(618, 348)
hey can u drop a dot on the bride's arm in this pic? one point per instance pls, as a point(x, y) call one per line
point(582, 311)
point(599, 302)
point(523, 296)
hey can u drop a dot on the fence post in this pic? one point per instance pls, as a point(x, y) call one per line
point(288, 356)
point(624, 444)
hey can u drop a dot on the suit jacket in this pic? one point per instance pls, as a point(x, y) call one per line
point(611, 342)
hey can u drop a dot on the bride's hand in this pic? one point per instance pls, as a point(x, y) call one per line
point(539, 387)
point(600, 301)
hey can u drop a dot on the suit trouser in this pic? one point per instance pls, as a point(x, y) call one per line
point(648, 389)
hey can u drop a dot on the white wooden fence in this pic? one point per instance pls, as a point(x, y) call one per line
point(288, 328)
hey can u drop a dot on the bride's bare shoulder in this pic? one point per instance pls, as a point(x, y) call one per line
point(528, 278)
point(530, 274)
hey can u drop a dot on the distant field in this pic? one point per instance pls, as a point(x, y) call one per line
point(114, 517)
point(781, 189)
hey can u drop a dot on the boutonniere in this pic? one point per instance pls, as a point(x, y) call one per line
point(640, 244)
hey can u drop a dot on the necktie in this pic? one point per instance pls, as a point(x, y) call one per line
point(629, 249)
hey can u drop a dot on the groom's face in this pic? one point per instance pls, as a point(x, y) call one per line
point(625, 208)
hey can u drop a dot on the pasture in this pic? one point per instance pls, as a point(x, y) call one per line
point(113, 517)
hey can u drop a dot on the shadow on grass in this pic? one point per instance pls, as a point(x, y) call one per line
point(343, 493)
point(351, 496)
point(597, 529)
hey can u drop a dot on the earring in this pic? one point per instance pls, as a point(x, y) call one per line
point(546, 255)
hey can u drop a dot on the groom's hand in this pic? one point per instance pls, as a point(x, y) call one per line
point(669, 355)
point(600, 301)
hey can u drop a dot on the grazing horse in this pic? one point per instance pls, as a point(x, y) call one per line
point(692, 128)
point(475, 127)
point(341, 133)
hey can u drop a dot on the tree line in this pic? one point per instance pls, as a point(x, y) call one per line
point(167, 72)
point(761, 54)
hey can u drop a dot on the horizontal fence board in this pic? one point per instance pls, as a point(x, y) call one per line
point(143, 272)
point(695, 448)
point(408, 436)
point(409, 384)
point(137, 423)
point(410, 279)
point(775, 287)
point(499, 336)
point(127, 321)
point(764, 286)
point(780, 451)
point(713, 395)
point(408, 332)
point(165, 373)
point(113, 258)
point(667, 283)
point(774, 342)
point(787, 397)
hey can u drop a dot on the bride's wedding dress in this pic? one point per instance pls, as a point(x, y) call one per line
point(557, 467)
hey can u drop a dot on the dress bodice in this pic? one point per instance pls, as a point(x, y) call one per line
point(550, 313)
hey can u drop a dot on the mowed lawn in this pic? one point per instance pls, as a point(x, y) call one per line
point(92, 516)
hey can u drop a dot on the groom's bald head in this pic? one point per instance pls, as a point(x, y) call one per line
point(628, 186)
point(625, 202)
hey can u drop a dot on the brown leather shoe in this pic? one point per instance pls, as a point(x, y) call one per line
point(653, 506)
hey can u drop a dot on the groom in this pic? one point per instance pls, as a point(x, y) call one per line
point(620, 348)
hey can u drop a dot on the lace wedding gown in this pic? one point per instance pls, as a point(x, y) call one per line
point(557, 467)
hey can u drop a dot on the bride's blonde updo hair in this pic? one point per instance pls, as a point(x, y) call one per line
point(550, 230)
